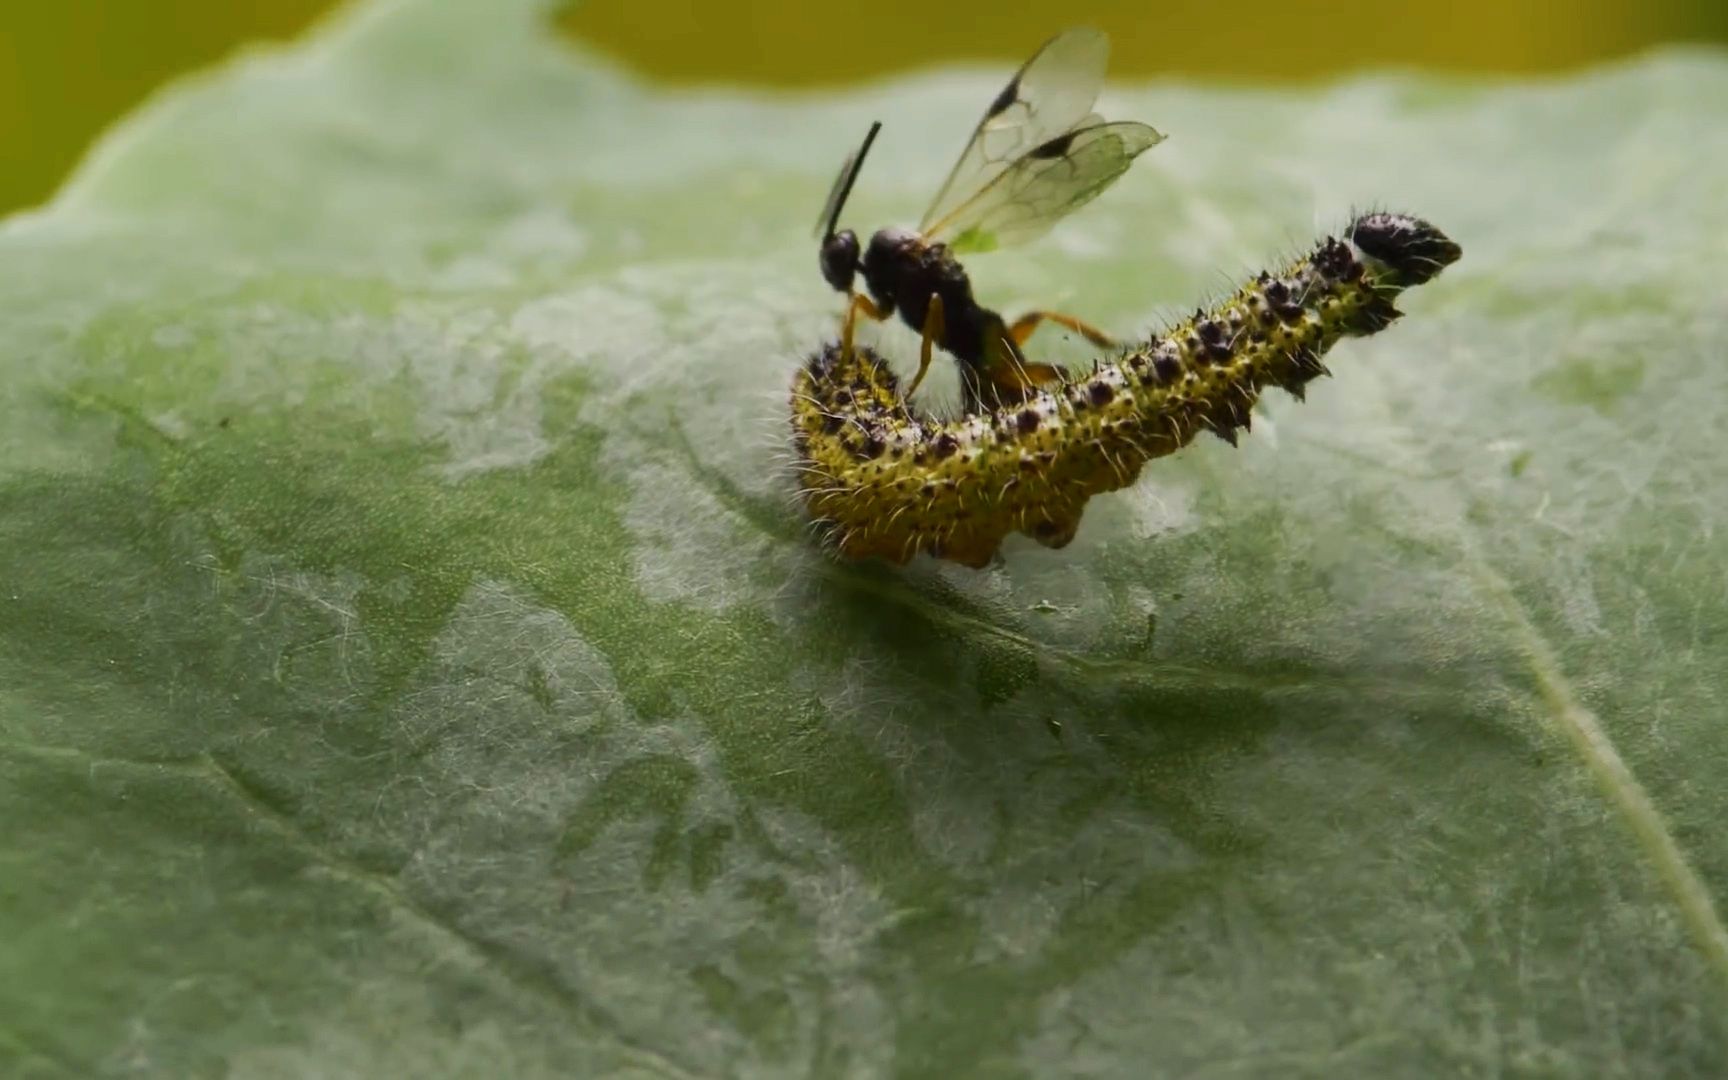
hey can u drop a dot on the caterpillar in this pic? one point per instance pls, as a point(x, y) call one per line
point(881, 479)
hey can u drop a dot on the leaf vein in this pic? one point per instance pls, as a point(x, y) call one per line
point(486, 954)
point(1585, 732)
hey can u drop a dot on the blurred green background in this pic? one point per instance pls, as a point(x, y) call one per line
point(68, 68)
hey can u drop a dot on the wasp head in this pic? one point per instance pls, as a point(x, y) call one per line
point(840, 246)
point(840, 259)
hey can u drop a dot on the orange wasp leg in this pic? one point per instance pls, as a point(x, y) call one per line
point(934, 325)
point(1027, 324)
point(860, 305)
point(1014, 376)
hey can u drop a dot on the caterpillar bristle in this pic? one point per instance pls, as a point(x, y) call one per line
point(880, 479)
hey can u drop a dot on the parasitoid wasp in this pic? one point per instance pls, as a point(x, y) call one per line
point(1038, 154)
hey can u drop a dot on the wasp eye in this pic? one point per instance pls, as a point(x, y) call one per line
point(840, 259)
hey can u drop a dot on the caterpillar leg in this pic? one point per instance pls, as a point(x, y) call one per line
point(934, 325)
point(1026, 325)
point(859, 305)
point(1057, 532)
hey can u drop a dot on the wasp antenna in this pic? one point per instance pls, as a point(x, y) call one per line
point(845, 190)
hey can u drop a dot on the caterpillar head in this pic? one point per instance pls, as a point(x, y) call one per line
point(1408, 246)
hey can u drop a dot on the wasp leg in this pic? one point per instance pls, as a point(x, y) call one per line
point(1027, 324)
point(1014, 377)
point(1024, 380)
point(934, 325)
point(860, 305)
point(1036, 375)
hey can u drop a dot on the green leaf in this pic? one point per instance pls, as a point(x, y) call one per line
point(411, 662)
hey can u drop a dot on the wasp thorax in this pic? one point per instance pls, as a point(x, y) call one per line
point(840, 259)
point(889, 245)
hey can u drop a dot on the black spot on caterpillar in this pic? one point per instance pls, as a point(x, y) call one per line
point(881, 479)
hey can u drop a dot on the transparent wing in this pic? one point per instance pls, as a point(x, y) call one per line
point(1050, 95)
point(1044, 185)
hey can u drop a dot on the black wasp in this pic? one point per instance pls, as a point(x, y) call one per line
point(1038, 154)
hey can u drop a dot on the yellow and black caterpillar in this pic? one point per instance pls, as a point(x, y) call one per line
point(880, 479)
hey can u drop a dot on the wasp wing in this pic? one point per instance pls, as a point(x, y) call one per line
point(1050, 95)
point(1046, 184)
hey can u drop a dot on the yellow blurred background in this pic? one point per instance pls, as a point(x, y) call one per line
point(68, 68)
